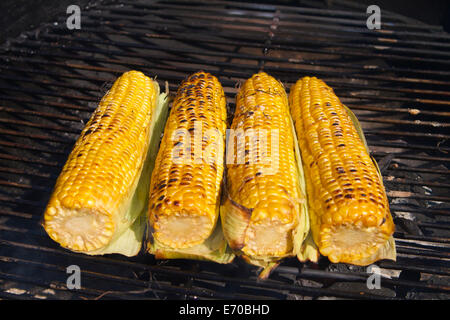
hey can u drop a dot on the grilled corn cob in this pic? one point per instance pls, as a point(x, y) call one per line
point(350, 218)
point(262, 210)
point(99, 197)
point(186, 183)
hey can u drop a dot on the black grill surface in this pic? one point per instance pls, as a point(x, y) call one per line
point(395, 79)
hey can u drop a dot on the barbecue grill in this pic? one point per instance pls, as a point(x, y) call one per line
point(395, 79)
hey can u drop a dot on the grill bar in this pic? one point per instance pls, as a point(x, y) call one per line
point(267, 13)
point(230, 22)
point(416, 101)
point(174, 59)
point(270, 285)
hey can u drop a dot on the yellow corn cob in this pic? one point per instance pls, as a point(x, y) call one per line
point(350, 218)
point(186, 181)
point(261, 211)
point(89, 207)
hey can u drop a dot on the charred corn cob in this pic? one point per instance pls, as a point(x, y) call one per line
point(349, 210)
point(99, 196)
point(186, 183)
point(262, 208)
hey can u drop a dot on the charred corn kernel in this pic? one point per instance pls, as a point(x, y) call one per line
point(350, 218)
point(88, 207)
point(261, 210)
point(186, 181)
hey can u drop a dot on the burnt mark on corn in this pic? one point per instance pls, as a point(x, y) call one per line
point(161, 186)
point(248, 179)
point(188, 176)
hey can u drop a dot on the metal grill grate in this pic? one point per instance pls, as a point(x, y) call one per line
point(395, 79)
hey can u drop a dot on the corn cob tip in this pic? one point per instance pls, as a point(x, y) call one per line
point(360, 233)
point(270, 234)
point(174, 229)
point(357, 246)
point(268, 239)
point(81, 230)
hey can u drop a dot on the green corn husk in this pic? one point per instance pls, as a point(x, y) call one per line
point(131, 228)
